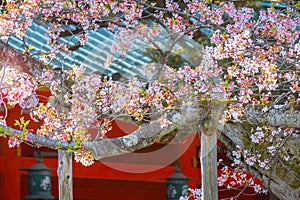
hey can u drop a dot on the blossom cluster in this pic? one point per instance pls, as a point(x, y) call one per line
point(233, 178)
point(15, 16)
point(126, 40)
point(194, 194)
point(265, 143)
point(17, 87)
point(253, 51)
point(84, 157)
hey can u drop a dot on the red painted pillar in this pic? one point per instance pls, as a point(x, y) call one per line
point(188, 159)
point(11, 175)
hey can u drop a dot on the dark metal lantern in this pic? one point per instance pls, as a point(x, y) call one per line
point(177, 185)
point(39, 182)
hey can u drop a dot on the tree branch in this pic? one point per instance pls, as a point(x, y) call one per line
point(286, 116)
point(185, 122)
point(36, 139)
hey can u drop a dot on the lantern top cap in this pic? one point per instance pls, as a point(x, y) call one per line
point(178, 174)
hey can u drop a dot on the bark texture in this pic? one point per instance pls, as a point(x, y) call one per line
point(210, 130)
point(64, 172)
point(286, 116)
point(209, 172)
point(280, 188)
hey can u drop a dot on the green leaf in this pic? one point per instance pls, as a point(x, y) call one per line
point(173, 20)
point(26, 124)
point(70, 147)
point(17, 123)
point(69, 151)
point(30, 47)
point(226, 84)
point(273, 8)
point(141, 91)
point(77, 151)
point(21, 136)
point(273, 29)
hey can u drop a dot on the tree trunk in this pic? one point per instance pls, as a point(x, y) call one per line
point(209, 172)
point(208, 152)
point(64, 172)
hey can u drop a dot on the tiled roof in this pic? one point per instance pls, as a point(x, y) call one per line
point(93, 55)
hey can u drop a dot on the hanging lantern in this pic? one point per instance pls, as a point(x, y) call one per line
point(39, 182)
point(177, 185)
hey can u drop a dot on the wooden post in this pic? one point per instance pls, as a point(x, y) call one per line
point(208, 156)
point(208, 151)
point(64, 172)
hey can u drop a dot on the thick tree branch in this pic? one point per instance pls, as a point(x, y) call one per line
point(145, 136)
point(185, 122)
point(286, 116)
point(280, 188)
point(189, 120)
